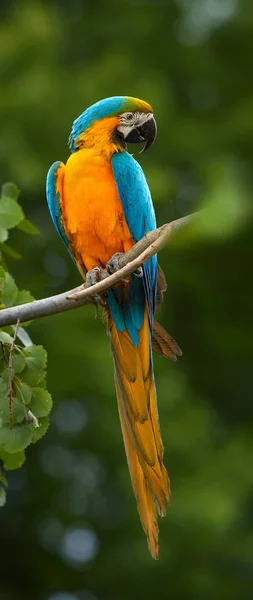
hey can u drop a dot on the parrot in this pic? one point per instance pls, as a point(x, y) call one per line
point(101, 205)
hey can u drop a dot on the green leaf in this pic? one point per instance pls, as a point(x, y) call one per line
point(4, 378)
point(2, 279)
point(18, 363)
point(23, 336)
point(3, 234)
point(7, 249)
point(23, 297)
point(3, 479)
point(3, 389)
point(10, 291)
point(28, 227)
point(4, 405)
point(12, 461)
point(41, 403)
point(18, 409)
point(43, 383)
point(38, 432)
point(10, 190)
point(5, 338)
point(2, 496)
point(10, 213)
point(18, 413)
point(36, 360)
point(23, 392)
point(15, 439)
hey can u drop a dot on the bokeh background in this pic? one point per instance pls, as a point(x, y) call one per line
point(70, 529)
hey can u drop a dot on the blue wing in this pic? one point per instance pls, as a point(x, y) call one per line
point(53, 193)
point(139, 213)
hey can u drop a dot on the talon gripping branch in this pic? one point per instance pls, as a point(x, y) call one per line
point(101, 205)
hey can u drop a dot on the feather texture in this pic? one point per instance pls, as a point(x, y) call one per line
point(139, 212)
point(139, 422)
point(163, 344)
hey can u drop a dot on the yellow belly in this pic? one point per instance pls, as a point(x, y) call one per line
point(93, 215)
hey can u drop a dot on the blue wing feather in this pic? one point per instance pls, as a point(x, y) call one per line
point(53, 200)
point(139, 213)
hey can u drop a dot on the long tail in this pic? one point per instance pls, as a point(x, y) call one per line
point(137, 405)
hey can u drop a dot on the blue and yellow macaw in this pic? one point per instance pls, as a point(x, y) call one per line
point(101, 205)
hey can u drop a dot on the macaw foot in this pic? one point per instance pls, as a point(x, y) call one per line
point(113, 266)
point(139, 272)
point(92, 277)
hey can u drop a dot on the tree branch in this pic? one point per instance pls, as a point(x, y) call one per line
point(149, 245)
point(10, 373)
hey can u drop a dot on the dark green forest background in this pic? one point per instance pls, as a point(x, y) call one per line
point(70, 529)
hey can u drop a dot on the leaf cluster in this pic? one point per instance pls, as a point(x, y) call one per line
point(24, 400)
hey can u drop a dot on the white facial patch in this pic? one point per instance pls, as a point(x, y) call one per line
point(131, 120)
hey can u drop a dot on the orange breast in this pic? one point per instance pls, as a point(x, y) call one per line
point(93, 214)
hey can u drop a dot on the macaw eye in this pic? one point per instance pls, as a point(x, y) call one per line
point(129, 116)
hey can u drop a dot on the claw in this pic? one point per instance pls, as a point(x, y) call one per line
point(98, 300)
point(139, 272)
point(92, 277)
point(113, 264)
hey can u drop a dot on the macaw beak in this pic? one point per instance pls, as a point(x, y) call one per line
point(145, 132)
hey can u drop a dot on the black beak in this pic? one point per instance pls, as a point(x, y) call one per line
point(146, 132)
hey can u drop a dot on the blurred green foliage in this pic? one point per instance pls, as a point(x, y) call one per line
point(70, 529)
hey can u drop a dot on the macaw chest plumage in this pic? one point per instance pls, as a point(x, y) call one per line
point(91, 209)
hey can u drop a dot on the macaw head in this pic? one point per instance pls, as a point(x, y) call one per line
point(119, 120)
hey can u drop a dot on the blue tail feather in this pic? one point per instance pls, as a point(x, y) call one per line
point(128, 312)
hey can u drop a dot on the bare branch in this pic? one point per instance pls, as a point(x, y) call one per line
point(149, 245)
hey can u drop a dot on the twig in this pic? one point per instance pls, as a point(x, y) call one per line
point(10, 372)
point(149, 245)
